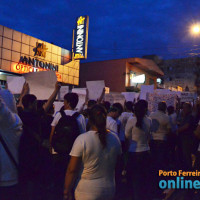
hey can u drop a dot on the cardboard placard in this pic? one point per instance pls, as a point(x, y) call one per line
point(95, 89)
point(41, 84)
point(15, 84)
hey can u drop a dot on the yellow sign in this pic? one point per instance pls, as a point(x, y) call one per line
point(40, 49)
point(80, 20)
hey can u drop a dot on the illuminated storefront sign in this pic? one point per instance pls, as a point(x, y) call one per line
point(37, 63)
point(138, 79)
point(21, 68)
point(26, 65)
point(81, 38)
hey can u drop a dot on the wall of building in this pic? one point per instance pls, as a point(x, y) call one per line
point(112, 71)
point(181, 72)
point(139, 71)
point(14, 45)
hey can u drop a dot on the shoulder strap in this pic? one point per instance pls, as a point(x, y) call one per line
point(75, 115)
point(8, 151)
point(62, 112)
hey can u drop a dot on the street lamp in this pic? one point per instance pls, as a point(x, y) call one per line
point(195, 29)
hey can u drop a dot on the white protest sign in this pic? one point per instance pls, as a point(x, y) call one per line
point(63, 90)
point(41, 84)
point(95, 89)
point(109, 98)
point(154, 99)
point(79, 90)
point(145, 89)
point(187, 96)
point(118, 98)
point(57, 106)
point(81, 95)
point(15, 84)
point(129, 96)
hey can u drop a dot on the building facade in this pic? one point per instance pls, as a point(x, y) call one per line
point(21, 53)
point(182, 73)
point(120, 74)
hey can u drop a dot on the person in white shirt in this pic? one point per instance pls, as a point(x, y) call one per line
point(111, 123)
point(61, 161)
point(93, 160)
point(159, 146)
point(123, 118)
point(10, 131)
point(137, 133)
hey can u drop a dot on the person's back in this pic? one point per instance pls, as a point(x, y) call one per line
point(160, 125)
point(98, 164)
point(98, 151)
point(10, 132)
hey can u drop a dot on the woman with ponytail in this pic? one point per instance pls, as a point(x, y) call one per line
point(137, 134)
point(93, 160)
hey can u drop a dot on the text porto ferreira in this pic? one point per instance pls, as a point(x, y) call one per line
point(179, 179)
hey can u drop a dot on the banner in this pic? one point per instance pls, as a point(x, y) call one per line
point(187, 97)
point(154, 99)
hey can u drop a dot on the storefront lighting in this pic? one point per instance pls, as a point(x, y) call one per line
point(138, 79)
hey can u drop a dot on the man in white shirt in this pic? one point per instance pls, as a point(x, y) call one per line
point(160, 129)
point(112, 116)
point(61, 160)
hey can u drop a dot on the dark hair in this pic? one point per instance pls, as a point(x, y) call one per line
point(40, 104)
point(28, 99)
point(91, 103)
point(170, 110)
point(97, 117)
point(106, 104)
point(113, 109)
point(119, 107)
point(72, 99)
point(162, 106)
point(129, 105)
point(140, 111)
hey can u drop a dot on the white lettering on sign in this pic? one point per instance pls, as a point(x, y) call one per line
point(80, 39)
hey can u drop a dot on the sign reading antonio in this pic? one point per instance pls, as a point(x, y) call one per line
point(81, 37)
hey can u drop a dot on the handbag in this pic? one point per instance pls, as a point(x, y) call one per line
point(8, 152)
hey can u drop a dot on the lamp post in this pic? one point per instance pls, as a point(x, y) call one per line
point(195, 30)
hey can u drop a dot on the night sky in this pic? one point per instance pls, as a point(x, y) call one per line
point(117, 28)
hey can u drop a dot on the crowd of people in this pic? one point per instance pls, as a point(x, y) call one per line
point(94, 152)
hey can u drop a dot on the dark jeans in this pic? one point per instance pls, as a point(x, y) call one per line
point(159, 155)
point(138, 169)
point(60, 164)
point(9, 193)
point(185, 149)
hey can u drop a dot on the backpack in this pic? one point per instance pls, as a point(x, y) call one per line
point(66, 131)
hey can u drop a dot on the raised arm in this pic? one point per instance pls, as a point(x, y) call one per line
point(52, 98)
point(85, 103)
point(25, 90)
point(102, 96)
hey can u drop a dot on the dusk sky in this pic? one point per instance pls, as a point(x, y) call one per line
point(117, 28)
